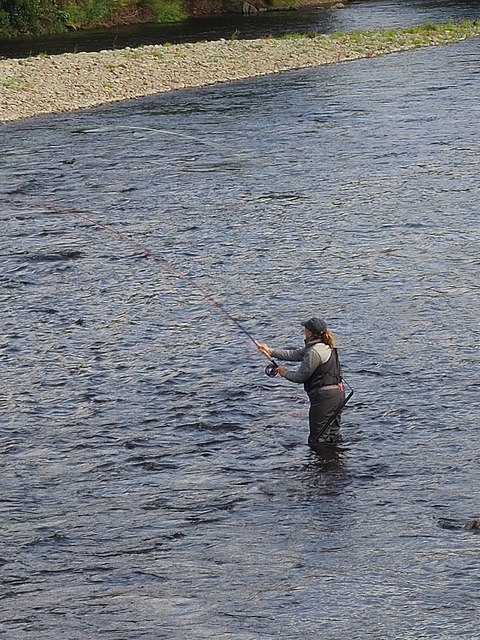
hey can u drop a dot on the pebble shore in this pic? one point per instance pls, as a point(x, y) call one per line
point(51, 84)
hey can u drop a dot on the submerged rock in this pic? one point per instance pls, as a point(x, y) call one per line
point(459, 525)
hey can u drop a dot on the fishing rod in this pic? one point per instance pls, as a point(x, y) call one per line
point(271, 369)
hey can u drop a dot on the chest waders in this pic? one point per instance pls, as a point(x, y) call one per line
point(327, 411)
point(326, 392)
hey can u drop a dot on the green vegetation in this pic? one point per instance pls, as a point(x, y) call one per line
point(282, 4)
point(22, 17)
point(386, 39)
point(88, 13)
point(165, 10)
point(300, 36)
point(25, 17)
point(380, 41)
point(17, 82)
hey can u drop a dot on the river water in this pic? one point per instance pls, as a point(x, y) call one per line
point(155, 483)
point(359, 14)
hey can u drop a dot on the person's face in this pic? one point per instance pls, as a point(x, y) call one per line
point(308, 334)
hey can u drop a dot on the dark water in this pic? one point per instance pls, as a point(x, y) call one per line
point(359, 14)
point(155, 484)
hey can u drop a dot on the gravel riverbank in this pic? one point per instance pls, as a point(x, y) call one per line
point(50, 84)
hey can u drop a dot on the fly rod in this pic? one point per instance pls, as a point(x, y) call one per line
point(271, 369)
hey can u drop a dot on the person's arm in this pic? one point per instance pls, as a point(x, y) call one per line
point(310, 362)
point(293, 355)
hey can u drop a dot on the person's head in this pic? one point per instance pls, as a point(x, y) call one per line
point(316, 329)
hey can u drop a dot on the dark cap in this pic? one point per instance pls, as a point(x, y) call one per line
point(315, 325)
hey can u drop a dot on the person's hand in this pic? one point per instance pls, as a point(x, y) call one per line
point(263, 347)
point(281, 371)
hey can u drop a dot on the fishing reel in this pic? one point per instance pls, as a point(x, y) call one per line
point(271, 369)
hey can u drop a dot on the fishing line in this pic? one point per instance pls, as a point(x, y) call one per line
point(171, 132)
point(270, 369)
point(123, 127)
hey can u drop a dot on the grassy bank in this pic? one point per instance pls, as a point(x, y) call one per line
point(35, 17)
point(48, 84)
point(388, 40)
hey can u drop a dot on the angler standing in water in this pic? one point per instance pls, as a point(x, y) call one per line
point(321, 375)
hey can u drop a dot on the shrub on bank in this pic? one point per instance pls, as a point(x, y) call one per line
point(24, 16)
point(32, 17)
point(165, 10)
point(88, 13)
point(4, 21)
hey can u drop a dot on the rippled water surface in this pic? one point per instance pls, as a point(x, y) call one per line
point(155, 483)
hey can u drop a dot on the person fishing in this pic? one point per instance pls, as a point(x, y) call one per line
point(321, 375)
point(319, 368)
